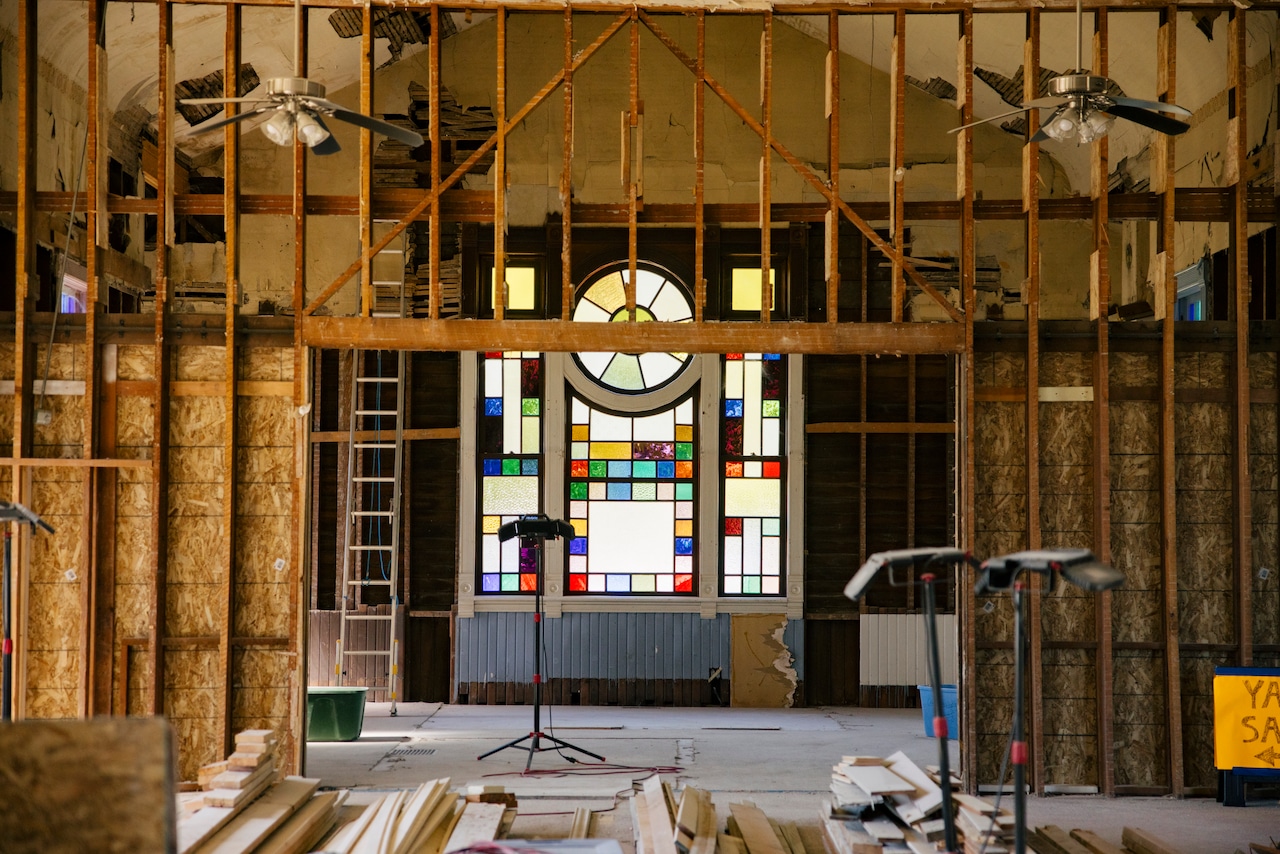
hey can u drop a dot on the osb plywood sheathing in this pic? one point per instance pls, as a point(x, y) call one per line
point(1140, 718)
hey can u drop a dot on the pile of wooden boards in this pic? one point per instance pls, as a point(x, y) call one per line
point(1051, 839)
point(666, 824)
point(428, 820)
point(243, 806)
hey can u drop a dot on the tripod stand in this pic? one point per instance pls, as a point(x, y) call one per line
point(534, 531)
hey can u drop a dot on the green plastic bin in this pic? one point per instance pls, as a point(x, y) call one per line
point(335, 713)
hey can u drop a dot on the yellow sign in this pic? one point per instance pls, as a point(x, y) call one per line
point(1246, 718)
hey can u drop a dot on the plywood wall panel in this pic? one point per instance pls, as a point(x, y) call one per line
point(994, 623)
point(1197, 717)
point(1137, 615)
point(1134, 369)
point(134, 427)
point(1066, 520)
point(196, 421)
point(1135, 427)
point(1000, 434)
point(198, 364)
point(1262, 370)
point(264, 464)
point(1203, 429)
point(262, 610)
point(1206, 616)
point(1133, 472)
point(1068, 617)
point(132, 610)
point(192, 610)
point(6, 360)
point(1000, 480)
point(1067, 478)
point(1066, 369)
point(195, 499)
point(135, 362)
point(199, 741)
point(63, 436)
point(260, 541)
point(1066, 434)
point(1009, 369)
point(1204, 557)
point(265, 363)
point(194, 543)
point(197, 464)
point(1071, 760)
point(266, 421)
point(984, 369)
point(66, 362)
point(263, 499)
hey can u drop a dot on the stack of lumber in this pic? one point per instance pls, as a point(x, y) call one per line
point(1052, 839)
point(450, 289)
point(428, 820)
point(244, 807)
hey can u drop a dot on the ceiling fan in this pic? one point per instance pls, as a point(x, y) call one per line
point(299, 108)
point(1083, 109)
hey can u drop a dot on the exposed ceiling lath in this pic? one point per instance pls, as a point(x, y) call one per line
point(398, 26)
point(210, 86)
point(935, 86)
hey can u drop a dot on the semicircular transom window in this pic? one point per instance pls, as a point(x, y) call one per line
point(658, 297)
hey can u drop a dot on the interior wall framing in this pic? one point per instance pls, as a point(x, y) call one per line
point(169, 450)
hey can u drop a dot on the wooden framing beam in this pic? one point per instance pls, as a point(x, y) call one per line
point(699, 171)
point(367, 149)
point(1030, 199)
point(1100, 299)
point(1237, 154)
point(554, 336)
point(1162, 175)
point(566, 177)
point(832, 254)
point(632, 164)
point(766, 166)
point(499, 177)
point(897, 158)
point(436, 290)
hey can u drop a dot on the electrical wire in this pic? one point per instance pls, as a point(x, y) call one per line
point(1004, 768)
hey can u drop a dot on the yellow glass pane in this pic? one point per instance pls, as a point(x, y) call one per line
point(521, 295)
point(610, 450)
point(581, 432)
point(491, 524)
point(608, 293)
point(579, 527)
point(745, 286)
point(684, 432)
point(684, 527)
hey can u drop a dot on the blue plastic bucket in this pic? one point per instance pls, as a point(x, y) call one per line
point(950, 708)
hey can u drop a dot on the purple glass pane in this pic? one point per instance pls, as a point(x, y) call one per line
point(653, 451)
point(528, 559)
point(490, 582)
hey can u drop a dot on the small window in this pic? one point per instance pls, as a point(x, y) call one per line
point(746, 291)
point(522, 288)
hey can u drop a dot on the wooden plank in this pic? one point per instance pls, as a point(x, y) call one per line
point(1095, 843)
point(878, 780)
point(1140, 841)
point(238, 798)
point(661, 837)
point(376, 837)
point(257, 821)
point(302, 830)
point(479, 823)
point(425, 810)
point(883, 829)
point(688, 814)
point(1052, 839)
point(583, 823)
point(757, 834)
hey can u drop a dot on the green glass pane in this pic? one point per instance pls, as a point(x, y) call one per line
point(684, 492)
point(599, 468)
point(510, 466)
point(772, 409)
point(530, 405)
point(684, 450)
point(644, 468)
point(510, 583)
point(624, 372)
point(771, 527)
point(751, 584)
point(644, 491)
point(578, 490)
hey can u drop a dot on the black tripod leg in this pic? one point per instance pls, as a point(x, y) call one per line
point(566, 745)
point(511, 743)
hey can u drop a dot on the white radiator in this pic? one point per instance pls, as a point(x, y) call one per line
point(893, 650)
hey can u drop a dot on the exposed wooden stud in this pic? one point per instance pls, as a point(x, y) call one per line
point(699, 171)
point(766, 165)
point(367, 148)
point(832, 230)
point(632, 165)
point(1031, 287)
point(1237, 158)
point(436, 291)
point(1100, 277)
point(1162, 174)
point(160, 369)
point(104, 544)
point(965, 446)
point(897, 158)
point(566, 176)
point(230, 431)
point(499, 177)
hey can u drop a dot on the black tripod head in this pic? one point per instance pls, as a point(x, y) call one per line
point(538, 527)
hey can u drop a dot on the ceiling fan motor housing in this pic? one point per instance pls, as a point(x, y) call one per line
point(1078, 84)
point(294, 86)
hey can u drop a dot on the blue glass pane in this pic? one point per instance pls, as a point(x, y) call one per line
point(733, 408)
point(619, 492)
point(617, 583)
point(492, 466)
point(528, 466)
point(490, 582)
point(493, 406)
point(772, 357)
point(666, 470)
point(644, 469)
point(578, 546)
point(619, 468)
point(684, 545)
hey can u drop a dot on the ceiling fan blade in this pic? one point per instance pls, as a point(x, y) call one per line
point(1018, 111)
point(1159, 106)
point(1040, 135)
point(1147, 118)
point(223, 122)
point(203, 101)
point(410, 138)
point(330, 144)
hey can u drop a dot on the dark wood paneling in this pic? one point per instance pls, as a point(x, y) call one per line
point(831, 521)
point(429, 643)
point(831, 663)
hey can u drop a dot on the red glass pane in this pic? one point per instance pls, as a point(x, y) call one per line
point(684, 469)
point(580, 468)
point(493, 354)
point(733, 526)
point(578, 583)
point(684, 583)
point(773, 469)
point(733, 357)
point(528, 583)
point(733, 469)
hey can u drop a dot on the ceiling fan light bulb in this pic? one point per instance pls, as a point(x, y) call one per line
point(279, 128)
point(1095, 126)
point(310, 131)
point(1063, 126)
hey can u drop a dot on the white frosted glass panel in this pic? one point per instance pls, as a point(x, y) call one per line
point(684, 509)
point(684, 412)
point(656, 428)
point(577, 563)
point(751, 468)
point(511, 406)
point(770, 586)
point(733, 380)
point(530, 442)
point(751, 546)
point(493, 377)
point(647, 285)
point(733, 584)
point(769, 563)
point(658, 368)
point(666, 491)
point(684, 565)
point(597, 490)
point(492, 555)
point(595, 363)
point(595, 583)
point(579, 451)
point(510, 495)
point(671, 305)
point(581, 412)
point(751, 417)
point(578, 509)
point(511, 555)
point(609, 428)
point(643, 584)
point(770, 444)
point(630, 537)
point(744, 497)
point(623, 372)
point(589, 312)
point(666, 584)
point(733, 555)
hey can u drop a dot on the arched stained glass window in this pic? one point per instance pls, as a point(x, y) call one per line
point(510, 461)
point(753, 483)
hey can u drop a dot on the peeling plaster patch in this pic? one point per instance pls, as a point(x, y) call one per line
point(762, 671)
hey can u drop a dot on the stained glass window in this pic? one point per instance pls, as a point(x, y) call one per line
point(631, 500)
point(754, 484)
point(510, 458)
point(658, 297)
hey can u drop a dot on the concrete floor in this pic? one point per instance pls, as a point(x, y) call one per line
point(779, 760)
